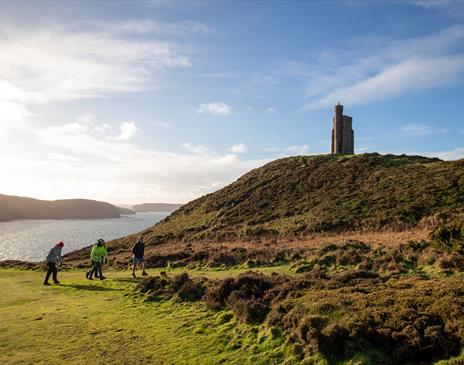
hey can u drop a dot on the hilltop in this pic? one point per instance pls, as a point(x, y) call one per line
point(302, 195)
point(297, 200)
point(15, 207)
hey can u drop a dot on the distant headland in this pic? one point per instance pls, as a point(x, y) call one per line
point(15, 207)
point(156, 207)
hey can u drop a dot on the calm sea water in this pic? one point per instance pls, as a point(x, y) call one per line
point(30, 240)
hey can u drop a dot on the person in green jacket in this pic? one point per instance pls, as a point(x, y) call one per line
point(98, 256)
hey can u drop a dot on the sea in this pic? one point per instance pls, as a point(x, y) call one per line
point(30, 240)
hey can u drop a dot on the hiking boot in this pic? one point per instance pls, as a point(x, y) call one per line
point(47, 283)
point(102, 278)
point(144, 273)
point(56, 282)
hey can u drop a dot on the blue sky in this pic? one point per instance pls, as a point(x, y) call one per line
point(134, 102)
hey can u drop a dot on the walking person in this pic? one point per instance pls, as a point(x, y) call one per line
point(98, 256)
point(53, 258)
point(138, 251)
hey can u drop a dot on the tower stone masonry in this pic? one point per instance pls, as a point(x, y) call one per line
point(342, 132)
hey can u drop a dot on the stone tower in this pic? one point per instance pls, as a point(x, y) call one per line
point(342, 132)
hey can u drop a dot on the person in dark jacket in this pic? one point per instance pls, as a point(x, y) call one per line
point(138, 250)
point(53, 258)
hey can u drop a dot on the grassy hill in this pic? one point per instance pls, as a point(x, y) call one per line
point(301, 195)
point(371, 296)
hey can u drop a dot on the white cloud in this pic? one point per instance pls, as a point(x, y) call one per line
point(271, 109)
point(393, 81)
point(73, 161)
point(146, 26)
point(416, 129)
point(57, 63)
point(128, 131)
point(104, 128)
point(196, 149)
point(216, 108)
point(298, 150)
point(396, 69)
point(163, 124)
point(218, 75)
point(61, 157)
point(429, 4)
point(452, 8)
point(81, 158)
point(289, 150)
point(86, 119)
point(454, 154)
point(239, 148)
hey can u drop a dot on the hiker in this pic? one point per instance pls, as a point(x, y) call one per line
point(98, 256)
point(53, 258)
point(138, 250)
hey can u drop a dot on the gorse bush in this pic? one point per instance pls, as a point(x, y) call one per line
point(450, 236)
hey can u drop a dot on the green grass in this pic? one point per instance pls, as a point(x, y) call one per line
point(82, 322)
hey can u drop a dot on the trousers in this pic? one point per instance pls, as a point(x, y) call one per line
point(96, 269)
point(52, 270)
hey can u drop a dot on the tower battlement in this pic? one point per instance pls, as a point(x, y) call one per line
point(342, 132)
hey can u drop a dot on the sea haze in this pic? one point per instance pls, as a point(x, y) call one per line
point(30, 240)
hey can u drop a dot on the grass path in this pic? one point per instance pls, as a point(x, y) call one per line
point(83, 322)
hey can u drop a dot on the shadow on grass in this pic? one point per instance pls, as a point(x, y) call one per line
point(129, 280)
point(90, 287)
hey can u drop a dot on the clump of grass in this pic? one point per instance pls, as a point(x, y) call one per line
point(164, 287)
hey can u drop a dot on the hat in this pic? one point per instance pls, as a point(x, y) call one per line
point(61, 244)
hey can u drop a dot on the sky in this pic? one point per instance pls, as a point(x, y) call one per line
point(165, 101)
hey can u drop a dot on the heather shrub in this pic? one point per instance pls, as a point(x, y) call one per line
point(191, 291)
point(449, 236)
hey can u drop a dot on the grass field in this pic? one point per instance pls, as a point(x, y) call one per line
point(83, 322)
point(109, 322)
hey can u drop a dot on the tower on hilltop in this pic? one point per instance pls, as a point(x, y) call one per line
point(342, 132)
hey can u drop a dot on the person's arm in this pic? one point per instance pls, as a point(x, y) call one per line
point(59, 258)
point(105, 255)
point(93, 252)
point(133, 248)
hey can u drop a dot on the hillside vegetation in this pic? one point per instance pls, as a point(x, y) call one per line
point(302, 195)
